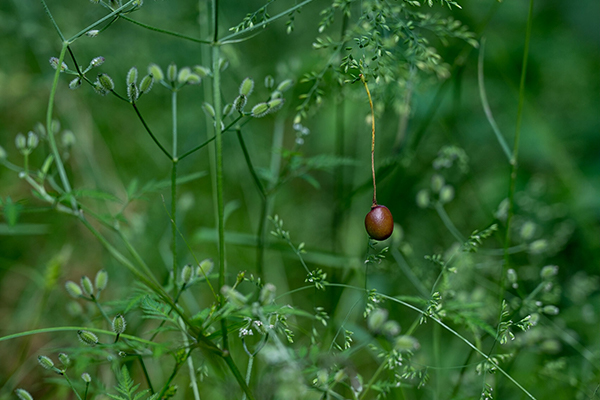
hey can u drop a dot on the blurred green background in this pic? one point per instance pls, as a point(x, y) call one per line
point(558, 184)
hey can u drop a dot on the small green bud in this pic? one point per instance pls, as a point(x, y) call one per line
point(20, 141)
point(406, 343)
point(183, 75)
point(87, 337)
point(186, 273)
point(132, 76)
point(527, 230)
point(390, 328)
point(235, 297)
point(511, 275)
point(240, 102)
point(539, 246)
point(132, 92)
point(119, 324)
point(46, 362)
point(275, 105)
point(376, 319)
point(92, 33)
point(267, 294)
point(146, 84)
point(246, 87)
point(260, 110)
point(446, 194)
point(223, 64)
point(106, 82)
point(64, 359)
point(75, 83)
point(68, 138)
point(172, 72)
point(437, 182)
point(209, 110)
point(87, 286)
point(2, 153)
point(548, 272)
point(269, 82)
point(73, 289)
point(97, 61)
point(32, 140)
point(74, 308)
point(138, 3)
point(205, 267)
point(551, 310)
point(285, 85)
point(156, 72)
point(86, 377)
point(227, 109)
point(54, 63)
point(100, 89)
point(170, 392)
point(23, 394)
point(193, 79)
point(101, 280)
point(423, 198)
point(202, 71)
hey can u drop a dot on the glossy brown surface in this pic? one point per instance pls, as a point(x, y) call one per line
point(379, 223)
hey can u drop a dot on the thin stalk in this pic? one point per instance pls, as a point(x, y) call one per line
point(166, 32)
point(515, 154)
point(174, 184)
point(99, 22)
point(372, 380)
point(362, 78)
point(248, 373)
point(206, 142)
point(71, 385)
point(160, 146)
point(50, 131)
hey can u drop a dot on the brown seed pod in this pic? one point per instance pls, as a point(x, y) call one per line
point(379, 222)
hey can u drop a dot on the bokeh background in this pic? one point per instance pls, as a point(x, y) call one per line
point(557, 220)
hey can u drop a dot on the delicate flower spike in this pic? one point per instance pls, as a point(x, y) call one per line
point(101, 280)
point(87, 286)
point(46, 362)
point(23, 394)
point(246, 87)
point(146, 84)
point(119, 324)
point(132, 76)
point(73, 289)
point(86, 377)
point(88, 338)
point(92, 33)
point(156, 71)
point(96, 62)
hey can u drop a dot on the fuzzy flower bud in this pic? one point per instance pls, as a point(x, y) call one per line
point(376, 319)
point(96, 62)
point(46, 362)
point(548, 272)
point(246, 87)
point(132, 92)
point(285, 85)
point(87, 337)
point(132, 76)
point(54, 63)
point(205, 267)
point(202, 71)
point(64, 359)
point(119, 324)
point(101, 280)
point(193, 79)
point(156, 72)
point(75, 83)
point(87, 286)
point(73, 289)
point(2, 153)
point(32, 140)
point(267, 294)
point(406, 343)
point(275, 105)
point(240, 102)
point(20, 141)
point(172, 72)
point(183, 75)
point(106, 82)
point(186, 273)
point(92, 33)
point(260, 110)
point(23, 394)
point(235, 297)
point(86, 377)
point(269, 82)
point(146, 84)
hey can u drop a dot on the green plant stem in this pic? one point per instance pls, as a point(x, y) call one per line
point(248, 373)
point(71, 385)
point(209, 140)
point(372, 380)
point(100, 21)
point(50, 130)
point(164, 31)
point(160, 146)
point(174, 184)
point(255, 178)
point(514, 158)
point(238, 376)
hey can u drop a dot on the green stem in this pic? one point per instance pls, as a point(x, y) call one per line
point(372, 380)
point(174, 184)
point(159, 30)
point(50, 131)
point(248, 373)
point(71, 385)
point(226, 129)
point(160, 146)
point(99, 22)
point(515, 154)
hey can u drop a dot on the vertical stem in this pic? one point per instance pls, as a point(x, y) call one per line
point(49, 130)
point(174, 184)
point(362, 78)
point(515, 153)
